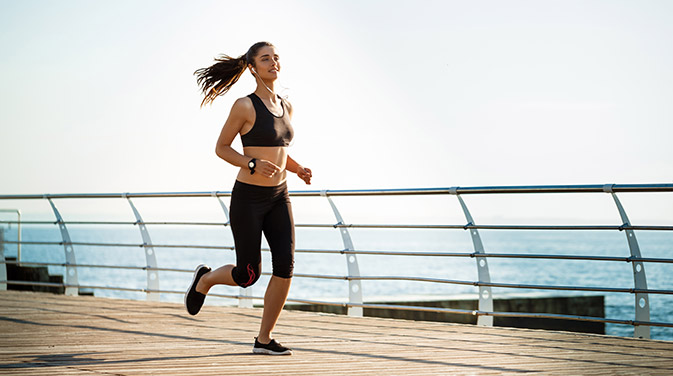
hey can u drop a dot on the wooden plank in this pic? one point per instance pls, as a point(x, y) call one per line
point(47, 334)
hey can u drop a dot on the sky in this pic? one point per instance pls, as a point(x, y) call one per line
point(99, 96)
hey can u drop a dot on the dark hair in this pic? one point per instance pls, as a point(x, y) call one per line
point(218, 78)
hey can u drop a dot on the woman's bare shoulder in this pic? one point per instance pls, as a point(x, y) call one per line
point(243, 103)
point(243, 107)
point(288, 105)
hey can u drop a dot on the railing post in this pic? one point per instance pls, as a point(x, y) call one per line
point(150, 255)
point(354, 286)
point(71, 280)
point(3, 268)
point(18, 231)
point(18, 237)
point(642, 301)
point(245, 294)
point(485, 294)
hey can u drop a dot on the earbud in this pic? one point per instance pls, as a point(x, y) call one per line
point(253, 70)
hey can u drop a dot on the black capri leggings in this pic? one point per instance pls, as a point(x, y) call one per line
point(255, 210)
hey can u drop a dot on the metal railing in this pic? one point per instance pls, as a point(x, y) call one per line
point(355, 303)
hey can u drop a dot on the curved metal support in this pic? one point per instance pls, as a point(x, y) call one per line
point(18, 231)
point(245, 294)
point(485, 294)
point(354, 286)
point(70, 268)
point(3, 267)
point(642, 302)
point(150, 256)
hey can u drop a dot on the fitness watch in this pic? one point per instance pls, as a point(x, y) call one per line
point(251, 165)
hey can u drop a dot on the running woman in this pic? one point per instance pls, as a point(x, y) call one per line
point(260, 203)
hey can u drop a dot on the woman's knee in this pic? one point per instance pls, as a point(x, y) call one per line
point(284, 270)
point(246, 275)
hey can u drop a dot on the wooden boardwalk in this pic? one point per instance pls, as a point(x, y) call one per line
point(46, 334)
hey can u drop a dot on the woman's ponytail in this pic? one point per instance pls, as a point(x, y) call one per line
point(217, 79)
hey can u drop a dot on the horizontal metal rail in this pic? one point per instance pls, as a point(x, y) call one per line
point(597, 188)
point(504, 255)
point(119, 223)
point(145, 268)
point(593, 188)
point(129, 245)
point(375, 226)
point(512, 285)
point(376, 253)
point(374, 305)
point(395, 278)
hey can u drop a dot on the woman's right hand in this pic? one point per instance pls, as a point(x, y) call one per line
point(266, 168)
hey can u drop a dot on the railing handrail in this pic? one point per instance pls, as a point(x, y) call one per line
point(485, 311)
point(371, 225)
point(591, 188)
point(550, 256)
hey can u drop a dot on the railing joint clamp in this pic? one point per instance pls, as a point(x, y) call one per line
point(467, 226)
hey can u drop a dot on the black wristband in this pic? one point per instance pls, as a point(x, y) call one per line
point(251, 165)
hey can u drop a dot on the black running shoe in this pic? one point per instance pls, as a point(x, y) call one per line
point(272, 348)
point(194, 299)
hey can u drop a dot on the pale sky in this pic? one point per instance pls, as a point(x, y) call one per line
point(99, 96)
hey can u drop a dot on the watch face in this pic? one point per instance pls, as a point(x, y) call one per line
point(251, 164)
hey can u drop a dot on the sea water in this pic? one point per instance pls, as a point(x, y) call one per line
point(503, 270)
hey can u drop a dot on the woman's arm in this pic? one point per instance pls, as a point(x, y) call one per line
point(242, 112)
point(239, 115)
point(291, 165)
point(304, 173)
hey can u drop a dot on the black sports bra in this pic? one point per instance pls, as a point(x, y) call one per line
point(268, 130)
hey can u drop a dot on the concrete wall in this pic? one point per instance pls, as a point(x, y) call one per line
point(593, 306)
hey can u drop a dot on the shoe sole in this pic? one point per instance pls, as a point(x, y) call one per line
point(196, 273)
point(258, 350)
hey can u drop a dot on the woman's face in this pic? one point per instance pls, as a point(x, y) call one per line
point(267, 63)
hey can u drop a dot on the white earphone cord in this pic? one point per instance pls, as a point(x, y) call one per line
point(267, 88)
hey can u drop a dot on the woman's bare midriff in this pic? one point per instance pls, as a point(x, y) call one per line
point(274, 154)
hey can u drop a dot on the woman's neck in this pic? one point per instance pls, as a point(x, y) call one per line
point(265, 90)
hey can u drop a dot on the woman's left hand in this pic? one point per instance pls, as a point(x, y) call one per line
point(305, 174)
